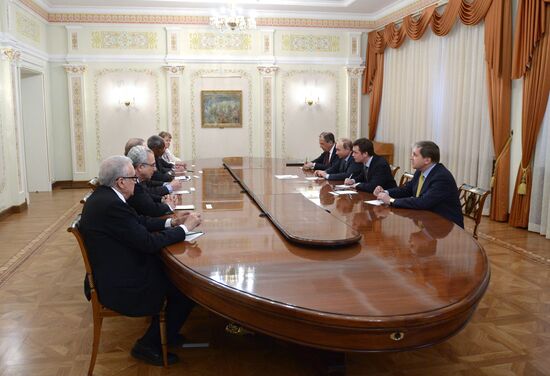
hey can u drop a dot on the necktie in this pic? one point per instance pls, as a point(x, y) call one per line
point(344, 165)
point(366, 171)
point(326, 159)
point(420, 183)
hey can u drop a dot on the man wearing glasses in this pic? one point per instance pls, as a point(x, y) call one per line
point(124, 252)
point(142, 201)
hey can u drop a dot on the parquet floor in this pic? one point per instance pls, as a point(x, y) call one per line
point(46, 329)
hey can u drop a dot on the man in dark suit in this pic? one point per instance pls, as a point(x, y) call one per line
point(346, 166)
point(124, 253)
point(432, 187)
point(165, 170)
point(376, 170)
point(142, 201)
point(328, 157)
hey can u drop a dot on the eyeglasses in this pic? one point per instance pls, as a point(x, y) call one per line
point(134, 178)
point(150, 164)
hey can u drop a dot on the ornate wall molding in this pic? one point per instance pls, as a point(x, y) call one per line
point(10, 54)
point(268, 115)
point(2, 155)
point(217, 41)
point(75, 76)
point(291, 75)
point(100, 74)
point(355, 75)
point(205, 72)
point(27, 27)
point(125, 40)
point(310, 43)
point(174, 73)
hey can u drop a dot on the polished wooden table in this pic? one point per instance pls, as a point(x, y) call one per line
point(411, 279)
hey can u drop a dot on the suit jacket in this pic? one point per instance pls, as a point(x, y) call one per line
point(144, 204)
point(156, 189)
point(379, 173)
point(344, 169)
point(163, 172)
point(319, 161)
point(123, 248)
point(439, 194)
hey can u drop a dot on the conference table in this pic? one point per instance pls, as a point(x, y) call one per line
point(295, 260)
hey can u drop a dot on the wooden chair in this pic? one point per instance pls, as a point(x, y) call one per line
point(93, 183)
point(405, 178)
point(100, 311)
point(472, 200)
point(86, 197)
point(394, 170)
point(384, 150)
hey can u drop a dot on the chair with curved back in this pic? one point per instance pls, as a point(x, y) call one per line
point(405, 178)
point(99, 310)
point(472, 200)
point(394, 170)
point(93, 183)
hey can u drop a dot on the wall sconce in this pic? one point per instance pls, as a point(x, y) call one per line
point(125, 94)
point(127, 101)
point(310, 100)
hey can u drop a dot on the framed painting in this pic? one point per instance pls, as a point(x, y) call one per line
point(222, 108)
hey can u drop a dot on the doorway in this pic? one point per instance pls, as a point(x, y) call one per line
point(35, 135)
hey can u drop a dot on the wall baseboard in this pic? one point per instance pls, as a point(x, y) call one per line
point(13, 210)
point(70, 184)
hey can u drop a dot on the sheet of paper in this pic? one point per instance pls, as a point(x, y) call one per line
point(375, 202)
point(208, 206)
point(183, 177)
point(341, 186)
point(192, 189)
point(338, 193)
point(183, 192)
point(196, 176)
point(192, 235)
point(200, 171)
point(314, 178)
point(286, 177)
point(185, 207)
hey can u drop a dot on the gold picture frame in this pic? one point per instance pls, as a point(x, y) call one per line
point(221, 108)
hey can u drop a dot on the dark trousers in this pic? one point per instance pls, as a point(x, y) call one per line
point(178, 307)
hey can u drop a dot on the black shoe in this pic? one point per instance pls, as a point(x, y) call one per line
point(152, 355)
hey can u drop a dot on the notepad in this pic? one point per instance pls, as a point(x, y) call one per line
point(185, 207)
point(192, 235)
point(286, 177)
point(341, 186)
point(184, 192)
point(375, 202)
point(338, 193)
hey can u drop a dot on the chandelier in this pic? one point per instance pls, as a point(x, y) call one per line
point(232, 19)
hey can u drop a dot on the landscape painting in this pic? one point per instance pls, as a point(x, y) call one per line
point(222, 108)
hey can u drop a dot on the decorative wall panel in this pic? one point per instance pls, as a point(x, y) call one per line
point(268, 115)
point(355, 75)
point(301, 124)
point(27, 27)
point(74, 40)
point(124, 40)
point(115, 122)
point(217, 41)
point(232, 140)
point(310, 43)
point(174, 105)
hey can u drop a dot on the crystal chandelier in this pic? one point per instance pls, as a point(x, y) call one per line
point(232, 19)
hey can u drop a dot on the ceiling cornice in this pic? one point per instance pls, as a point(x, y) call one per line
point(199, 17)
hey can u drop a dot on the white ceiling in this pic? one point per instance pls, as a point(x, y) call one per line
point(356, 9)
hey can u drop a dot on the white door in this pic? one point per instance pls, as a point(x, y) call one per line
point(34, 132)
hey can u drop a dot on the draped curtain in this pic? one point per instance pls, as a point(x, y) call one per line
point(539, 212)
point(531, 59)
point(435, 89)
point(497, 56)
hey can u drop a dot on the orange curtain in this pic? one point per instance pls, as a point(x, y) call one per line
point(532, 58)
point(498, 57)
point(497, 51)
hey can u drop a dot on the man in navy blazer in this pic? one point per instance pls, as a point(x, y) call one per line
point(432, 187)
point(346, 166)
point(375, 171)
point(328, 157)
point(124, 249)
